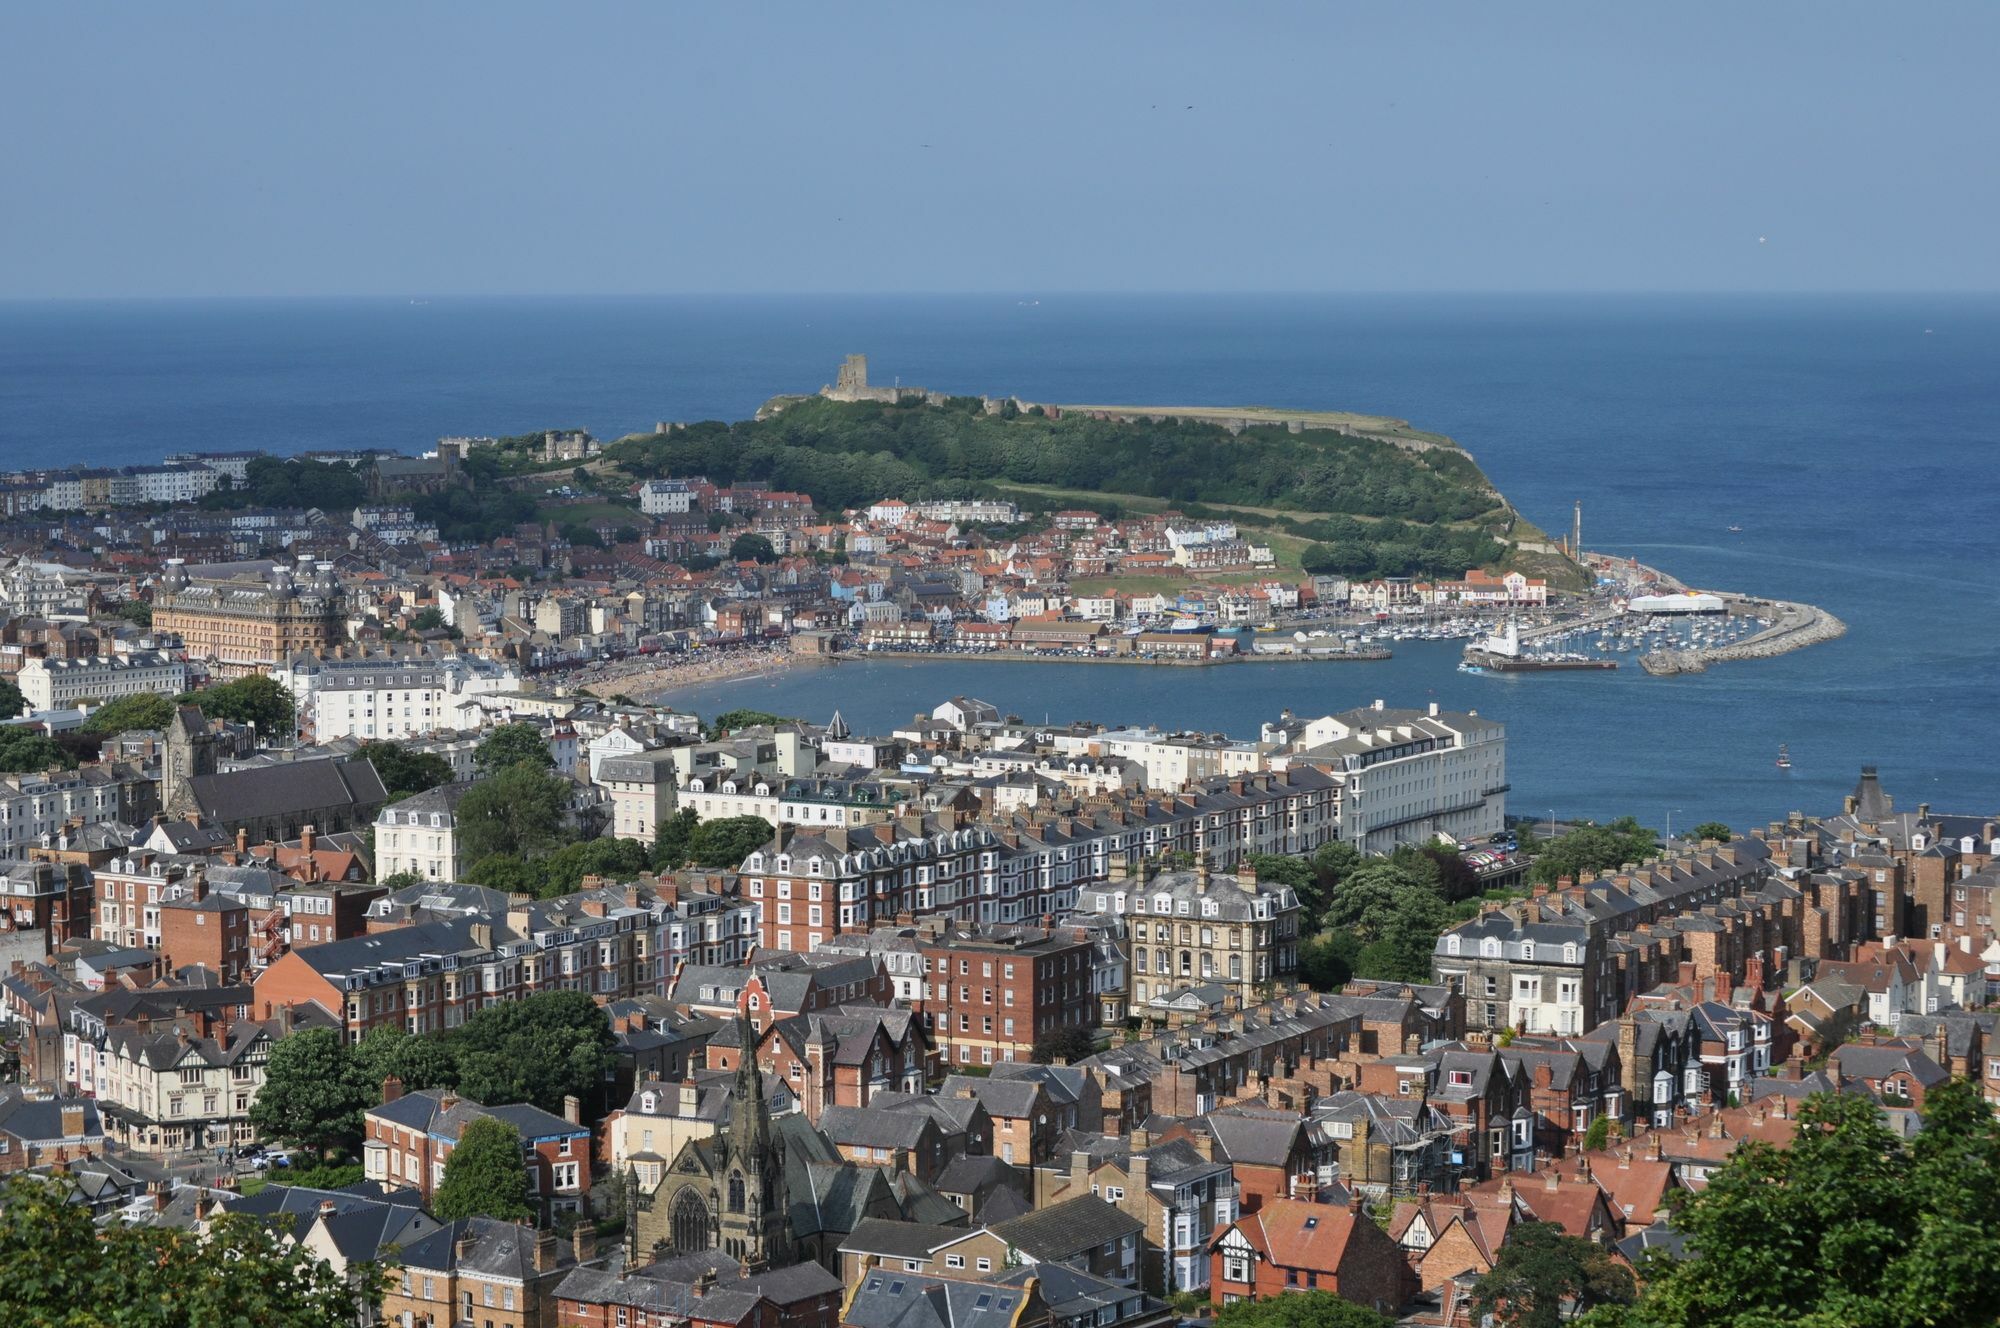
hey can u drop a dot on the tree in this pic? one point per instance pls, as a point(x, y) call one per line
point(142, 710)
point(518, 812)
point(512, 744)
point(1849, 1225)
point(671, 839)
point(1067, 1044)
point(1543, 1274)
point(403, 771)
point(1326, 961)
point(1589, 849)
point(64, 1271)
point(135, 611)
point(484, 1176)
point(726, 842)
point(326, 1176)
point(752, 547)
point(313, 1097)
point(12, 703)
point(1395, 913)
point(1715, 830)
point(23, 749)
point(1300, 1309)
point(538, 1050)
point(1598, 1137)
point(729, 721)
point(257, 700)
point(1297, 873)
point(415, 1062)
point(430, 618)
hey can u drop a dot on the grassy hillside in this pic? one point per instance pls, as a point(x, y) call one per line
point(1363, 504)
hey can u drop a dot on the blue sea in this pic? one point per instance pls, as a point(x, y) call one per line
point(1856, 441)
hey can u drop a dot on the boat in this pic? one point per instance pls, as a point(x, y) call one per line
point(1784, 757)
point(1500, 652)
point(1736, 530)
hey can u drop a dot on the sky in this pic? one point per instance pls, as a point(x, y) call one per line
point(494, 148)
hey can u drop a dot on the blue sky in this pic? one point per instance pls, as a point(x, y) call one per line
point(499, 148)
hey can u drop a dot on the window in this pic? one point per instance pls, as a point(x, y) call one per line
point(954, 1261)
point(1235, 1268)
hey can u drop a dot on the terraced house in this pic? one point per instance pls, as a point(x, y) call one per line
point(1569, 959)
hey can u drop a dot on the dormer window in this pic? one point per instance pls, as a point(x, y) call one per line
point(649, 1103)
point(1527, 949)
point(1451, 945)
point(1569, 953)
point(1490, 948)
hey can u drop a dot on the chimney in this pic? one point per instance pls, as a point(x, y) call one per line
point(545, 1250)
point(243, 840)
point(583, 1243)
point(72, 1120)
point(306, 839)
point(392, 1088)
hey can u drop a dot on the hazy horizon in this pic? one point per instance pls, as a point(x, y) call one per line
point(509, 150)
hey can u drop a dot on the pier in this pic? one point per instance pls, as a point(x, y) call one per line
point(1797, 626)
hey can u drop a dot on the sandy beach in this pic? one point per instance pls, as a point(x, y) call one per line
point(648, 678)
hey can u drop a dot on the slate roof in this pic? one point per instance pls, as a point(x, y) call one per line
point(443, 1114)
point(288, 788)
point(887, 1299)
point(1063, 1231)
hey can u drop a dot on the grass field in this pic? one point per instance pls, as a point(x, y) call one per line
point(563, 510)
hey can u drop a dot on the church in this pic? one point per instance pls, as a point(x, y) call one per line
point(768, 1194)
point(272, 803)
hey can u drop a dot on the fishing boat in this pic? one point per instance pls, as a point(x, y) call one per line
point(1784, 757)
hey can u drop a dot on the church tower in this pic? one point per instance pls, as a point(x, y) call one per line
point(191, 751)
point(752, 1184)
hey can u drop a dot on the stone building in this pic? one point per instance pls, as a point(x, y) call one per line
point(249, 616)
point(725, 1191)
point(1202, 927)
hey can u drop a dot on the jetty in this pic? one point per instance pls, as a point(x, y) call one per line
point(1796, 626)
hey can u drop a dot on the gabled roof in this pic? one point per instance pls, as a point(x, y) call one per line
point(1068, 1229)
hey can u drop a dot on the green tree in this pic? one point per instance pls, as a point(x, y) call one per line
point(506, 872)
point(430, 618)
point(326, 1176)
point(1300, 1309)
point(729, 840)
point(12, 703)
point(143, 710)
point(672, 838)
point(65, 1271)
point(1598, 1137)
point(539, 1050)
point(1543, 1274)
point(1334, 861)
point(257, 700)
point(512, 744)
point(1297, 873)
point(518, 812)
point(485, 1175)
point(1326, 961)
point(752, 547)
point(1715, 830)
point(23, 750)
point(1394, 913)
point(1849, 1225)
point(729, 721)
point(1589, 849)
point(1067, 1044)
point(416, 1062)
point(403, 771)
point(135, 611)
point(313, 1095)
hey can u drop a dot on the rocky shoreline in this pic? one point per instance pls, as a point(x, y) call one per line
point(1798, 626)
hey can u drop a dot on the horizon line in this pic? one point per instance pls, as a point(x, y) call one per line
point(1020, 294)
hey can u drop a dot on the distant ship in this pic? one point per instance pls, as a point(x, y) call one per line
point(1784, 757)
point(1736, 530)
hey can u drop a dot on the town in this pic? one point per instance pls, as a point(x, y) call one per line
point(336, 903)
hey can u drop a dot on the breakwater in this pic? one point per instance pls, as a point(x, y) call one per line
point(1797, 626)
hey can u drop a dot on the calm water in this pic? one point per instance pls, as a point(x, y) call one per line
point(1854, 440)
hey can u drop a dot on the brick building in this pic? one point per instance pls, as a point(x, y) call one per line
point(410, 1136)
point(1291, 1245)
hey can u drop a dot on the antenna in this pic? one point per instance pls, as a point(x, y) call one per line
point(1576, 534)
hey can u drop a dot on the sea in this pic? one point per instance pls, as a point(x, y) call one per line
point(1855, 441)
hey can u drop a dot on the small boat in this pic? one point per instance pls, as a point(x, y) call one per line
point(1736, 530)
point(1784, 757)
